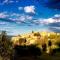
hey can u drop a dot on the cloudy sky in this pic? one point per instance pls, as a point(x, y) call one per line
point(22, 16)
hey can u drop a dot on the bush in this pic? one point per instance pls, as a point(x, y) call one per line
point(31, 50)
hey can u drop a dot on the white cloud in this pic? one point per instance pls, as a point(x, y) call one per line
point(56, 27)
point(3, 23)
point(29, 9)
point(57, 15)
point(15, 17)
point(3, 15)
point(15, 14)
point(54, 19)
point(23, 18)
point(48, 20)
point(20, 8)
point(29, 17)
point(11, 1)
point(20, 18)
point(6, 2)
point(17, 1)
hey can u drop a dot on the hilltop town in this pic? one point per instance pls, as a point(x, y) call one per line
point(37, 38)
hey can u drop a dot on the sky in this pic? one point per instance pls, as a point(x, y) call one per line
point(23, 16)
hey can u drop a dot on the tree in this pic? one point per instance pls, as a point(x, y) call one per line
point(5, 46)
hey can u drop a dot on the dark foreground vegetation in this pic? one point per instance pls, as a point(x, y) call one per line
point(26, 51)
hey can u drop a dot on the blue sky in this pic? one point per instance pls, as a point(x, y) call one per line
point(22, 16)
